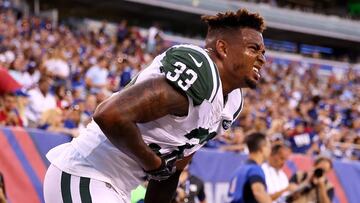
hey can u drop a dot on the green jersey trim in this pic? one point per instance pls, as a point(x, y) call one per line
point(237, 112)
point(218, 82)
point(133, 80)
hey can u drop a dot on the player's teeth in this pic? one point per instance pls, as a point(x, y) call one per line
point(256, 71)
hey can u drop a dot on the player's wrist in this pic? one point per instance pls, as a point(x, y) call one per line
point(154, 163)
point(165, 169)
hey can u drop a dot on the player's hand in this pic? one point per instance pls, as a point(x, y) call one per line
point(292, 187)
point(166, 169)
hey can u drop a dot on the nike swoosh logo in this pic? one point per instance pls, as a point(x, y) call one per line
point(196, 62)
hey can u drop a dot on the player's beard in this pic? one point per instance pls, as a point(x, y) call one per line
point(250, 83)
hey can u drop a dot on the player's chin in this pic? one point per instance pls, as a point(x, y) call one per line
point(251, 83)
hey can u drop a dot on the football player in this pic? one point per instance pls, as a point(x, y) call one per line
point(184, 98)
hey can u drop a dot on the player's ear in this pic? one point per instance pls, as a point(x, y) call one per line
point(221, 48)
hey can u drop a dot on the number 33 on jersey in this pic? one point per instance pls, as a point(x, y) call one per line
point(192, 72)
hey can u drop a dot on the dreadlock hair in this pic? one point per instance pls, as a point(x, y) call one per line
point(234, 20)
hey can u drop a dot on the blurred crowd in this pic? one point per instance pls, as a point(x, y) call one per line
point(65, 73)
point(295, 104)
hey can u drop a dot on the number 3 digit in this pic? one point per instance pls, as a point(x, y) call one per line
point(184, 85)
point(188, 81)
point(176, 76)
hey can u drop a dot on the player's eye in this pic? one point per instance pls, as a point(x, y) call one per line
point(253, 48)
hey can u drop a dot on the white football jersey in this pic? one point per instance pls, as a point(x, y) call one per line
point(189, 69)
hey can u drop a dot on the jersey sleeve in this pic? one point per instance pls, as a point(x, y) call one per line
point(256, 175)
point(192, 71)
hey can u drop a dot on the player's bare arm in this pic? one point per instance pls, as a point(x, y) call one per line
point(260, 194)
point(140, 103)
point(164, 191)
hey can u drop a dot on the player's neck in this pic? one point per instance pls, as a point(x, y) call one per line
point(226, 87)
point(257, 157)
point(225, 80)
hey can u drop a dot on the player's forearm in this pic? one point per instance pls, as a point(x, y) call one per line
point(261, 196)
point(147, 101)
point(126, 137)
point(162, 191)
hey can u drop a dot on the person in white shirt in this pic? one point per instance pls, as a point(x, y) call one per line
point(33, 74)
point(40, 100)
point(57, 65)
point(154, 31)
point(276, 180)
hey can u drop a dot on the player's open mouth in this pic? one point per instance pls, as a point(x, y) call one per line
point(257, 72)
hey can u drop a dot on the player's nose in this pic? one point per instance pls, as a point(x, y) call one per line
point(261, 60)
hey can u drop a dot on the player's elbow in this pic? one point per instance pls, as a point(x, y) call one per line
point(105, 115)
point(258, 194)
point(100, 115)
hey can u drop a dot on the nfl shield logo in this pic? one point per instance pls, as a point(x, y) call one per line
point(226, 124)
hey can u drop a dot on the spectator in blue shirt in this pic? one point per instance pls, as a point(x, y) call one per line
point(302, 138)
point(248, 185)
point(96, 76)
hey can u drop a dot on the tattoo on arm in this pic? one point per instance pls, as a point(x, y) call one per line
point(155, 98)
point(143, 102)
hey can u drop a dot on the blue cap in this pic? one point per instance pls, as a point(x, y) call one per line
point(298, 122)
point(77, 101)
point(31, 64)
point(21, 93)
